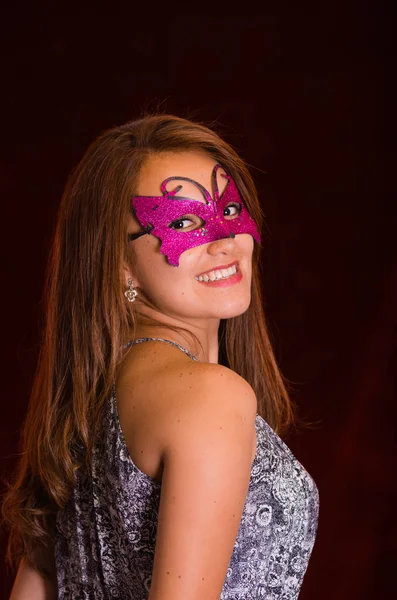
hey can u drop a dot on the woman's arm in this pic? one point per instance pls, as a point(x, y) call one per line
point(208, 440)
point(31, 585)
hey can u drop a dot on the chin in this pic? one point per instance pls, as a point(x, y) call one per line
point(234, 309)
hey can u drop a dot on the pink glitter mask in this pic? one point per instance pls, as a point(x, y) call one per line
point(160, 215)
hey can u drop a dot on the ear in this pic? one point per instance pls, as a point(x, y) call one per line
point(128, 274)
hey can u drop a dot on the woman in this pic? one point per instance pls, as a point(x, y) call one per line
point(152, 467)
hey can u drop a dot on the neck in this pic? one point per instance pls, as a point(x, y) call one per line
point(206, 332)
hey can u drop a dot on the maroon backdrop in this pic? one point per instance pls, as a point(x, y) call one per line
point(302, 91)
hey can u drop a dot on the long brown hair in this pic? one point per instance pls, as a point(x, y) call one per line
point(87, 321)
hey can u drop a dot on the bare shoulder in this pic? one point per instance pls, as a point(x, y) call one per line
point(164, 387)
point(201, 396)
point(163, 396)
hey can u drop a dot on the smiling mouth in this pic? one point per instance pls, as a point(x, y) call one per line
point(218, 274)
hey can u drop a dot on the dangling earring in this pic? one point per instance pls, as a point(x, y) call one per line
point(131, 293)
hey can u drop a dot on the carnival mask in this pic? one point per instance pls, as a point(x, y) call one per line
point(160, 216)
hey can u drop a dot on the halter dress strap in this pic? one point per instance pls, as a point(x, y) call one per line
point(148, 339)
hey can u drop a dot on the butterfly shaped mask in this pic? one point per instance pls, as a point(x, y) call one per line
point(159, 214)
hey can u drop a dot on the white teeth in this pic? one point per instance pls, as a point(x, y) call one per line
point(218, 274)
point(227, 272)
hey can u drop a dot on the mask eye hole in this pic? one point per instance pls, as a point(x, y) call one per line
point(232, 210)
point(187, 223)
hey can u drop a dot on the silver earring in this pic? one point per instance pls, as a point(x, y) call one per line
point(131, 293)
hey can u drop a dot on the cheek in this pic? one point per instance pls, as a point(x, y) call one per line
point(248, 241)
point(146, 258)
point(250, 250)
point(157, 277)
point(245, 246)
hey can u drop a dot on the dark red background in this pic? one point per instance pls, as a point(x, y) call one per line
point(304, 92)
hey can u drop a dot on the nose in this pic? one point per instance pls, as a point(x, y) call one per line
point(224, 245)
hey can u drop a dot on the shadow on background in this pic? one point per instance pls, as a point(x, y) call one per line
point(303, 93)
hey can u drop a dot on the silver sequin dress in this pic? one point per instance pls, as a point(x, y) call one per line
point(106, 534)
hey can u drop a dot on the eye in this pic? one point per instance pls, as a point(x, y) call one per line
point(185, 222)
point(232, 210)
point(179, 224)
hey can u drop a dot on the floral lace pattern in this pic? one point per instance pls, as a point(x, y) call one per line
point(106, 534)
point(278, 525)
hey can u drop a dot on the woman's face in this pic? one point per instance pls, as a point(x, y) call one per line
point(176, 291)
